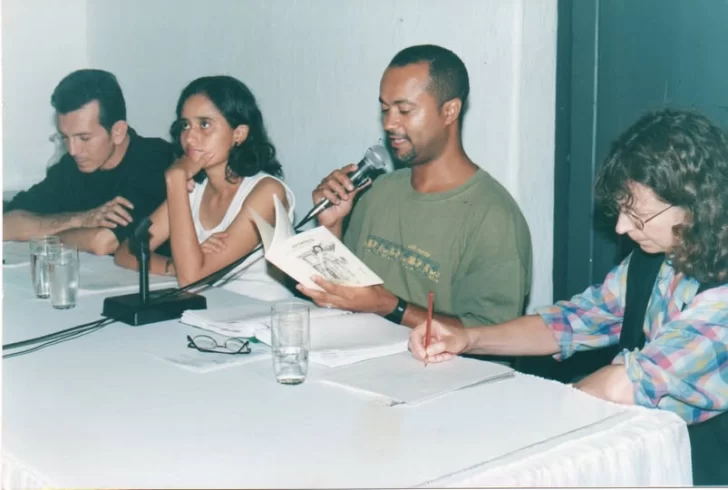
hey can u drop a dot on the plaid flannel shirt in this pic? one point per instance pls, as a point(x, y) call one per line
point(683, 366)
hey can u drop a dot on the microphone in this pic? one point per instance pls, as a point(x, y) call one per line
point(375, 158)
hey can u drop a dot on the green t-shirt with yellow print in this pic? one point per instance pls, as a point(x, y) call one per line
point(470, 246)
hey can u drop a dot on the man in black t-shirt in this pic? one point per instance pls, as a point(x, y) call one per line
point(109, 178)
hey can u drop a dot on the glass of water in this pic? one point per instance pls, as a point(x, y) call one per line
point(39, 263)
point(290, 341)
point(64, 274)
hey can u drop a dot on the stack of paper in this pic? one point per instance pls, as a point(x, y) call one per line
point(237, 321)
point(340, 340)
point(401, 378)
point(244, 321)
point(16, 254)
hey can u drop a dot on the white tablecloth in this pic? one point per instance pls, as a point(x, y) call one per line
point(104, 411)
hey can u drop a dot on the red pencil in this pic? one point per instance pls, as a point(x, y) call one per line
point(430, 301)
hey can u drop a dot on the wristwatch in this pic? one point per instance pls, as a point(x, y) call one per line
point(398, 313)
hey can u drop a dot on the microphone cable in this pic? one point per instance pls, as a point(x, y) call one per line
point(90, 327)
point(55, 338)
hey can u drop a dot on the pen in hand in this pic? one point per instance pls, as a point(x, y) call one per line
point(430, 301)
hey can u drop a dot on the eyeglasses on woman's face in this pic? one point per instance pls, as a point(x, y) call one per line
point(640, 223)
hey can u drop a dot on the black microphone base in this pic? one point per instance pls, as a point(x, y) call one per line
point(130, 310)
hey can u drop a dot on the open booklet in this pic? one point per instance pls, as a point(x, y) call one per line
point(400, 378)
point(310, 253)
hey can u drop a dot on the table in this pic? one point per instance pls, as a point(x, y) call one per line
point(103, 411)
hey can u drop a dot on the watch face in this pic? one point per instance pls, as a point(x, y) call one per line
point(398, 313)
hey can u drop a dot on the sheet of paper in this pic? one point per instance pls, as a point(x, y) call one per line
point(205, 362)
point(400, 378)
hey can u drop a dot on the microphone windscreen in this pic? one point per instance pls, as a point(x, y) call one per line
point(378, 157)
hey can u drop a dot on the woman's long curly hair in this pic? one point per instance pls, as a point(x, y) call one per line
point(683, 158)
point(237, 104)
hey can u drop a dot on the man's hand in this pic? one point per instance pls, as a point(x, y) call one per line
point(338, 189)
point(445, 342)
point(109, 215)
point(371, 299)
point(215, 243)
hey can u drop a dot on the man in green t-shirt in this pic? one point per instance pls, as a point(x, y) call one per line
point(439, 224)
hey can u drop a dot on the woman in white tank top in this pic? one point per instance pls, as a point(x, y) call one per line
point(221, 138)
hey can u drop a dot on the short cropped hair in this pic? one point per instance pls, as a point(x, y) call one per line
point(683, 158)
point(448, 75)
point(83, 86)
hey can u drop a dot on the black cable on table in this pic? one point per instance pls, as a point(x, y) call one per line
point(86, 328)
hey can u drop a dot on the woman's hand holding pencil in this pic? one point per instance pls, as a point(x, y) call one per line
point(442, 343)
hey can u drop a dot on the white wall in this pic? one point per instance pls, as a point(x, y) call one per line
point(42, 41)
point(315, 67)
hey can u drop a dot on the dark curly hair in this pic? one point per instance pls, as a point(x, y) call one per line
point(237, 104)
point(683, 158)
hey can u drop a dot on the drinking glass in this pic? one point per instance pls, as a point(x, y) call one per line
point(39, 263)
point(64, 272)
point(290, 341)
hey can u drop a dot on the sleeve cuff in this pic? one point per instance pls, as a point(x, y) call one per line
point(636, 376)
point(553, 317)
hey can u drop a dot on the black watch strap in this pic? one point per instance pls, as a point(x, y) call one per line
point(398, 313)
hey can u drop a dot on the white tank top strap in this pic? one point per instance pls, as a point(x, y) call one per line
point(246, 187)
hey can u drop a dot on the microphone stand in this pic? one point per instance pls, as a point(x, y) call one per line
point(143, 256)
point(145, 307)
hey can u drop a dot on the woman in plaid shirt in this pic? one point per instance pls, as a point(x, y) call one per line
point(666, 179)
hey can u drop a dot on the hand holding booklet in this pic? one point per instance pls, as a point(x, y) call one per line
point(315, 252)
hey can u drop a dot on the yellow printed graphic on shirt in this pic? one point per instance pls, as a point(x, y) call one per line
point(413, 258)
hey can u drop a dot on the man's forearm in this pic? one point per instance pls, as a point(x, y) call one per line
point(413, 314)
point(98, 241)
point(23, 225)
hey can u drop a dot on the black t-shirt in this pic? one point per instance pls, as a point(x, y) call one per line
point(139, 177)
